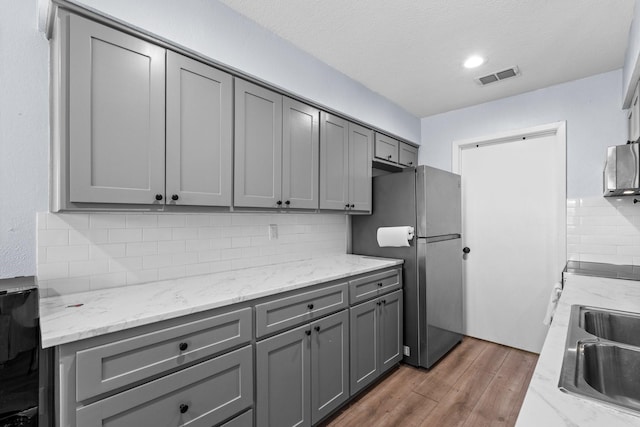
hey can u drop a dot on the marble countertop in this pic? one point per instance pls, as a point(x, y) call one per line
point(544, 403)
point(73, 317)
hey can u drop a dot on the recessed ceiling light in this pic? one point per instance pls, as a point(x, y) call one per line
point(473, 61)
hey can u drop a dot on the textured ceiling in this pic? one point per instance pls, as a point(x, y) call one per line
point(411, 51)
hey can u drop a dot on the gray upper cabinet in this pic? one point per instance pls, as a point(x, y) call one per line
point(116, 118)
point(199, 133)
point(334, 162)
point(360, 148)
point(408, 155)
point(386, 148)
point(345, 165)
point(258, 146)
point(300, 151)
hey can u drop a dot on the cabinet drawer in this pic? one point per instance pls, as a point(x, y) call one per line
point(386, 148)
point(243, 420)
point(373, 285)
point(202, 395)
point(274, 316)
point(121, 363)
point(408, 155)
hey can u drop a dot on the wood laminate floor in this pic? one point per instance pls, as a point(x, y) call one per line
point(478, 383)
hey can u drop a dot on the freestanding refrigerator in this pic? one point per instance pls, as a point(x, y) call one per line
point(429, 200)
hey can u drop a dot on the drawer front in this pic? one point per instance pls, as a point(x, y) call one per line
point(373, 285)
point(274, 316)
point(386, 148)
point(201, 395)
point(243, 420)
point(408, 155)
point(110, 366)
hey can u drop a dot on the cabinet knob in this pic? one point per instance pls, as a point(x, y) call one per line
point(384, 301)
point(183, 408)
point(310, 306)
point(466, 250)
point(287, 203)
point(410, 163)
point(378, 303)
point(307, 332)
point(636, 201)
point(380, 284)
point(346, 206)
point(158, 196)
point(389, 157)
point(183, 346)
point(279, 203)
point(353, 206)
point(174, 197)
point(317, 328)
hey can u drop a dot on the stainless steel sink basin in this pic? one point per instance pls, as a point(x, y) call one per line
point(602, 357)
point(612, 325)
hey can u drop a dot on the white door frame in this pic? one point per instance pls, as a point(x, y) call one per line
point(559, 129)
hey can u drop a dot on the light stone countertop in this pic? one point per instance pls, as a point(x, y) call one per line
point(109, 310)
point(544, 404)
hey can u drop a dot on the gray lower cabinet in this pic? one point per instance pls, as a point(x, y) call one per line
point(345, 165)
point(116, 115)
point(376, 338)
point(243, 420)
point(302, 375)
point(199, 133)
point(202, 395)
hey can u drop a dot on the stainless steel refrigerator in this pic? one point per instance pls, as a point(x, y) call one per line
point(429, 200)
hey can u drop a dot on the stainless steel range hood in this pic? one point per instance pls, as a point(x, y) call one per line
point(622, 170)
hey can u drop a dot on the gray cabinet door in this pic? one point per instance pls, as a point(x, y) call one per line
point(386, 148)
point(363, 325)
point(300, 151)
point(390, 330)
point(258, 146)
point(199, 129)
point(116, 116)
point(283, 379)
point(408, 155)
point(360, 148)
point(329, 364)
point(334, 162)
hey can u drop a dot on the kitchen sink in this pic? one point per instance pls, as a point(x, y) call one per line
point(612, 325)
point(602, 357)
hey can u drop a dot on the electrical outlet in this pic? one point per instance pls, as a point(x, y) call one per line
point(273, 231)
point(407, 350)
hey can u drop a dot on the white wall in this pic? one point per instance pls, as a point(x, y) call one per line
point(591, 107)
point(218, 32)
point(205, 26)
point(631, 70)
point(24, 135)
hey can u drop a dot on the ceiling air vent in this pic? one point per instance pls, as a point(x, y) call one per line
point(498, 75)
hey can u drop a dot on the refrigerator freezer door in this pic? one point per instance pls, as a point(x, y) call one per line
point(438, 202)
point(440, 281)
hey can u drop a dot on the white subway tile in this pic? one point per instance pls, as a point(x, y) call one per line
point(142, 221)
point(629, 250)
point(209, 233)
point(67, 253)
point(144, 248)
point(171, 220)
point(221, 243)
point(572, 203)
point(110, 250)
point(240, 242)
point(66, 286)
point(226, 254)
point(197, 245)
point(219, 266)
point(171, 247)
point(77, 221)
point(221, 220)
point(109, 280)
point(184, 233)
point(53, 237)
point(173, 272)
point(250, 252)
point(198, 220)
point(156, 261)
point(208, 256)
point(184, 258)
point(596, 249)
point(142, 276)
point(41, 220)
point(611, 259)
point(198, 269)
point(257, 241)
point(88, 237)
point(605, 240)
point(107, 221)
point(125, 235)
point(125, 264)
point(156, 234)
point(88, 268)
point(56, 270)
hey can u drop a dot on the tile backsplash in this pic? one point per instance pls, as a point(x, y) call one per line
point(603, 229)
point(78, 252)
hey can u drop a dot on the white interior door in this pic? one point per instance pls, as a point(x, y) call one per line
point(514, 222)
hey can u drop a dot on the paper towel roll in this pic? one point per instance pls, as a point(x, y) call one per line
point(394, 236)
